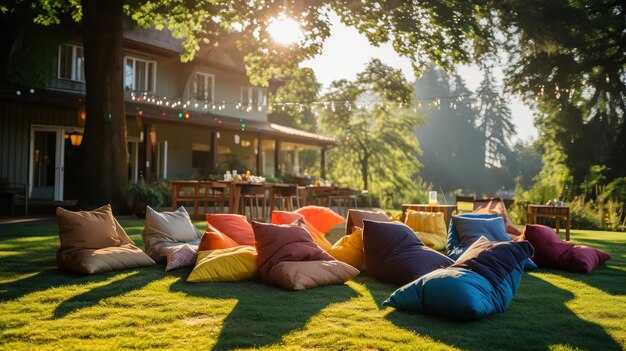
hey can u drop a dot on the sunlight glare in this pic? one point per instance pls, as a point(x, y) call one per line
point(284, 30)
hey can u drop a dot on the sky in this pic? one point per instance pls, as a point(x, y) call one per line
point(346, 53)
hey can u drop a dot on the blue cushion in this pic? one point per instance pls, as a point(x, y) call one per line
point(465, 229)
point(471, 229)
point(395, 254)
point(454, 249)
point(482, 282)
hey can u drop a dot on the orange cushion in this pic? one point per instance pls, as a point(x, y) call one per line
point(233, 225)
point(283, 217)
point(322, 218)
point(213, 239)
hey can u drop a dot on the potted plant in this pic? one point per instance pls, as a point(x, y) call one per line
point(141, 195)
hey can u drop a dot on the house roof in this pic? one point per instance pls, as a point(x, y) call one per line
point(225, 56)
point(167, 114)
point(208, 119)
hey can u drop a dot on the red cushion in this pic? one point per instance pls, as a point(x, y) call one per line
point(213, 239)
point(234, 225)
point(322, 218)
point(552, 252)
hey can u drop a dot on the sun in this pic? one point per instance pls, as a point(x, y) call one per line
point(284, 30)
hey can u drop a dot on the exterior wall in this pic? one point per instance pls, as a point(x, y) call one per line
point(15, 123)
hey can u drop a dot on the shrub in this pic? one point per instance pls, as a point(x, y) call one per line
point(141, 192)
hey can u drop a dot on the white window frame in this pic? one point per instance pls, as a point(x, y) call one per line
point(147, 62)
point(206, 77)
point(260, 93)
point(73, 76)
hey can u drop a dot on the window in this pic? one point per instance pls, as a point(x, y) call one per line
point(253, 96)
point(203, 85)
point(200, 155)
point(139, 75)
point(71, 63)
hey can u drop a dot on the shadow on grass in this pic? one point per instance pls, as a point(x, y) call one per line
point(536, 319)
point(264, 314)
point(137, 280)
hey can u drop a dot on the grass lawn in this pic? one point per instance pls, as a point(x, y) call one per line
point(42, 308)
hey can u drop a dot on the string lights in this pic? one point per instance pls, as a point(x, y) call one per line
point(329, 105)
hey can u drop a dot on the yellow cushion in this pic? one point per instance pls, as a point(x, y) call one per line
point(224, 265)
point(429, 227)
point(349, 249)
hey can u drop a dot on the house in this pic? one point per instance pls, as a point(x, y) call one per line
point(184, 120)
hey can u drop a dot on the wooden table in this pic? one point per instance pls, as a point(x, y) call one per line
point(447, 210)
point(556, 212)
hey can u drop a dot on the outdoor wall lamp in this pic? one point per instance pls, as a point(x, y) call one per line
point(76, 138)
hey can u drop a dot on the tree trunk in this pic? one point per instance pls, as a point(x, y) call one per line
point(365, 170)
point(104, 177)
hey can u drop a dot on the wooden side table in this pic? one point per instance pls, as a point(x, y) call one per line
point(445, 209)
point(556, 212)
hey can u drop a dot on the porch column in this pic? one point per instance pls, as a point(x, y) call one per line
point(323, 165)
point(277, 170)
point(259, 156)
point(213, 153)
point(144, 153)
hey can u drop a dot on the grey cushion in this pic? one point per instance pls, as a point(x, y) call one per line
point(168, 229)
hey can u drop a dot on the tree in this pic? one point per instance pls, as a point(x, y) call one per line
point(449, 139)
point(440, 32)
point(570, 57)
point(494, 121)
point(297, 91)
point(372, 120)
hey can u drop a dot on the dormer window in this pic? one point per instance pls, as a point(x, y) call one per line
point(71, 62)
point(139, 74)
point(253, 96)
point(203, 86)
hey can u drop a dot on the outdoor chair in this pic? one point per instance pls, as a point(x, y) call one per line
point(252, 201)
point(216, 194)
point(465, 204)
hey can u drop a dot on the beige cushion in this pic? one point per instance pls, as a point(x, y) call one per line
point(88, 229)
point(168, 229)
point(301, 275)
point(89, 261)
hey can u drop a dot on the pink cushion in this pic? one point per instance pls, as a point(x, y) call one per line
point(552, 252)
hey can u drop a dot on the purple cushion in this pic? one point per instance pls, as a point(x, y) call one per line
point(394, 254)
point(552, 252)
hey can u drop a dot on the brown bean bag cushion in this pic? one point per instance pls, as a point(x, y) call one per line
point(93, 242)
point(282, 249)
point(168, 230)
point(394, 254)
point(551, 252)
point(356, 217)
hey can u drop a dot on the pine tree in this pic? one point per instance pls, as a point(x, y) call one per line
point(494, 121)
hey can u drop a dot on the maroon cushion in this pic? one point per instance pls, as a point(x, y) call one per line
point(276, 243)
point(552, 252)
